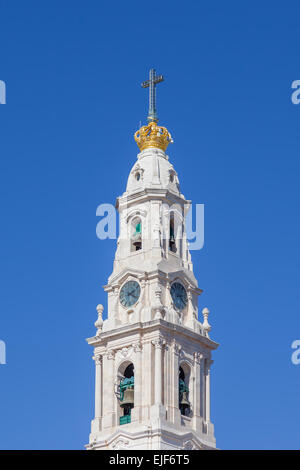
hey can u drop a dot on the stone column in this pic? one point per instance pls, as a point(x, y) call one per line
point(158, 344)
point(179, 239)
point(207, 390)
point(155, 229)
point(115, 308)
point(98, 387)
point(168, 294)
point(109, 419)
point(197, 405)
point(202, 387)
point(158, 410)
point(209, 425)
point(175, 416)
point(165, 228)
point(146, 291)
point(184, 246)
point(138, 383)
point(96, 423)
point(146, 379)
point(190, 313)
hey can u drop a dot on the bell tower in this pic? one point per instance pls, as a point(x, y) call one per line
point(152, 355)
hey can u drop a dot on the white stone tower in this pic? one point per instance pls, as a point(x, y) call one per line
point(152, 354)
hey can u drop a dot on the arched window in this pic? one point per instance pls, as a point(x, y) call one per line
point(184, 404)
point(136, 234)
point(172, 241)
point(129, 371)
point(127, 394)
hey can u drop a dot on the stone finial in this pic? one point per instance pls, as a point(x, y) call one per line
point(206, 325)
point(99, 321)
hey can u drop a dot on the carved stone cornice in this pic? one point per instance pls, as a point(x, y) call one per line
point(167, 329)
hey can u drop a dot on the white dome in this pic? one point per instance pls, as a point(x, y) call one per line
point(153, 169)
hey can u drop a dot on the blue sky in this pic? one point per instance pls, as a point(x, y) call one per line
point(73, 73)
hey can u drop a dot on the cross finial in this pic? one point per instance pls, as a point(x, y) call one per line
point(151, 84)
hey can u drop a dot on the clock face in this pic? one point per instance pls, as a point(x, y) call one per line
point(130, 293)
point(179, 295)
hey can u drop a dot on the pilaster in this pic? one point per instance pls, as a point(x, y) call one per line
point(109, 398)
point(158, 410)
point(97, 421)
point(138, 384)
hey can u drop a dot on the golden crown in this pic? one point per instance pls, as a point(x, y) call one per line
point(153, 135)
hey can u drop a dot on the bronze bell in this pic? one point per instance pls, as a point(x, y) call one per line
point(184, 400)
point(137, 236)
point(128, 399)
point(137, 241)
point(137, 245)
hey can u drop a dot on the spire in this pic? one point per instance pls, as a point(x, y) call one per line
point(152, 135)
point(151, 84)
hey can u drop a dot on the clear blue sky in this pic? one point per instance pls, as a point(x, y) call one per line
point(73, 71)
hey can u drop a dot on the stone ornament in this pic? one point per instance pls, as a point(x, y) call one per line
point(206, 325)
point(190, 445)
point(158, 307)
point(158, 343)
point(176, 348)
point(110, 354)
point(137, 172)
point(137, 347)
point(98, 360)
point(198, 357)
point(120, 444)
point(99, 321)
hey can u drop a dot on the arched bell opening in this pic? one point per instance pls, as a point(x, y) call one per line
point(136, 234)
point(184, 403)
point(126, 397)
point(172, 240)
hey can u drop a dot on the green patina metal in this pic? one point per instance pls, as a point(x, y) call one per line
point(138, 228)
point(182, 388)
point(125, 419)
point(151, 84)
point(124, 384)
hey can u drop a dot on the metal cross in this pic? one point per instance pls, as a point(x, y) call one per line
point(151, 83)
